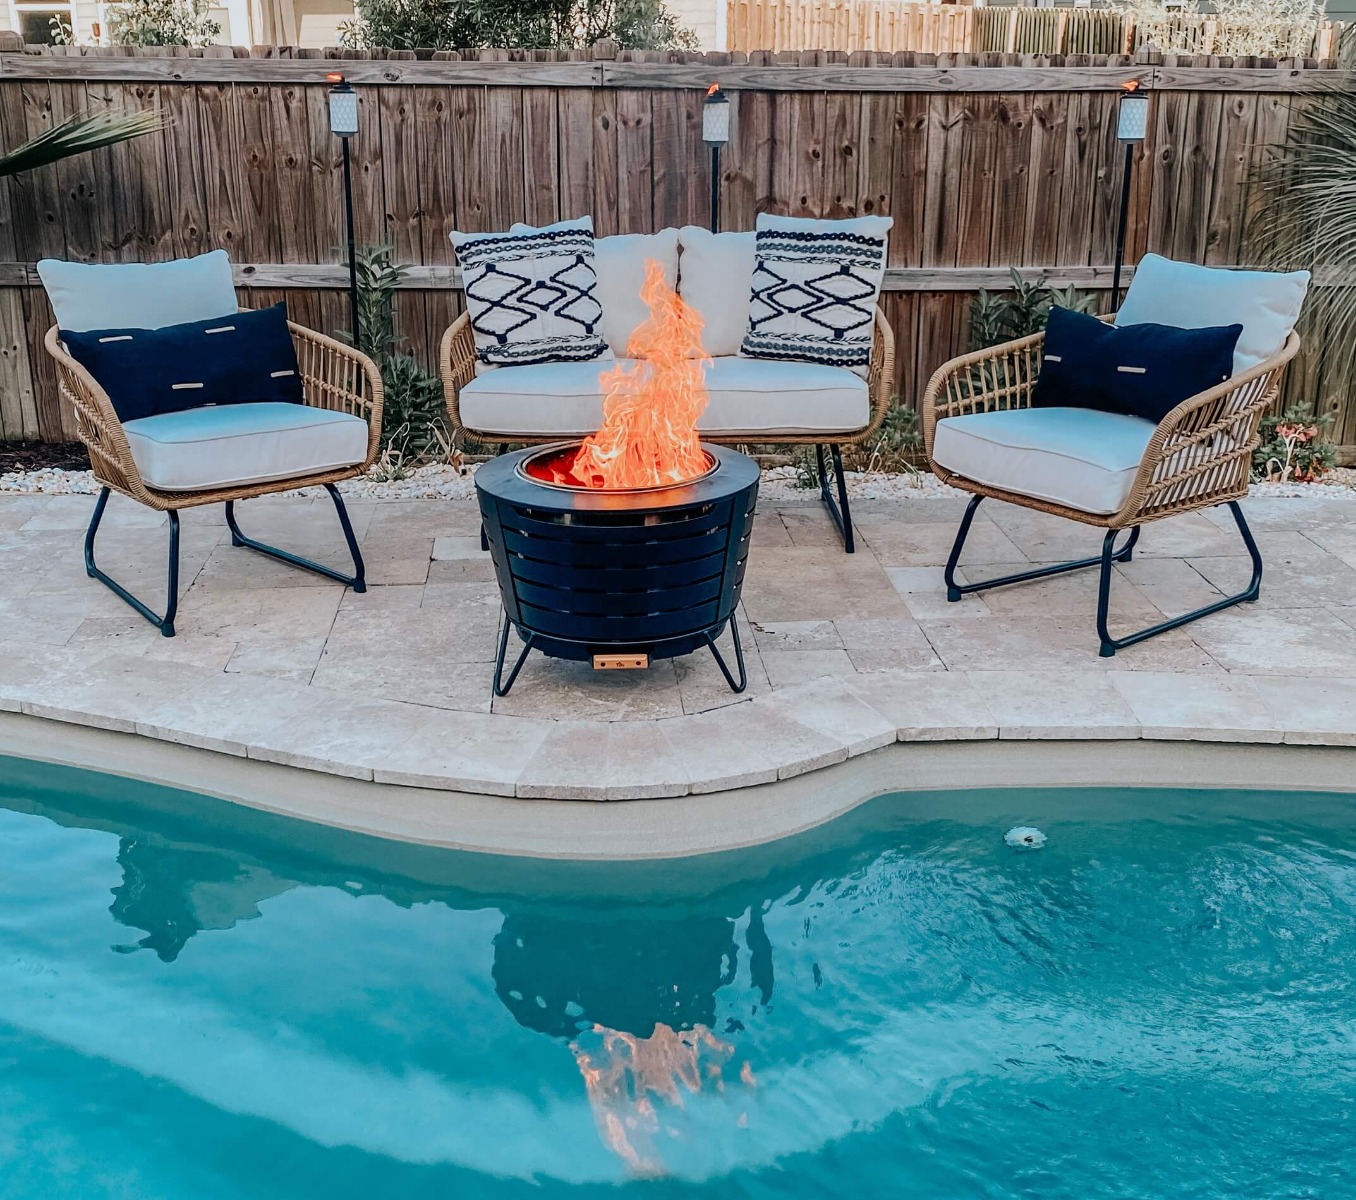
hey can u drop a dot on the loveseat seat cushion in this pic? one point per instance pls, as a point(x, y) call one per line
point(1076, 457)
point(746, 396)
point(235, 444)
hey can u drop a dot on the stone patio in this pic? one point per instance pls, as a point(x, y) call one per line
point(845, 654)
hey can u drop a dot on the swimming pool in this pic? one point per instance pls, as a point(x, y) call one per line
point(202, 1001)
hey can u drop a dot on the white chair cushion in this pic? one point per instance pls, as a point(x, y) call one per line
point(1266, 303)
point(715, 276)
point(89, 296)
point(1076, 457)
point(234, 444)
point(746, 396)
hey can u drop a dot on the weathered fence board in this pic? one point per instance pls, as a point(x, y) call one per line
point(985, 163)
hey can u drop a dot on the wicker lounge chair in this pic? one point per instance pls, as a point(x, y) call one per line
point(1199, 455)
point(335, 378)
point(458, 364)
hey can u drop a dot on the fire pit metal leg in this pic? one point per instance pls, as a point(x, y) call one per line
point(739, 658)
point(501, 688)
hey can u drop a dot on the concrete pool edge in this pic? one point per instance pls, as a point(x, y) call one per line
point(675, 827)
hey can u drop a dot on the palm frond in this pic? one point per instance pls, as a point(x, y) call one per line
point(1307, 218)
point(78, 135)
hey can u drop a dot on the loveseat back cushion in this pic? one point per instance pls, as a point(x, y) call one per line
point(138, 295)
point(715, 277)
point(815, 285)
point(1266, 303)
point(1075, 457)
point(1139, 370)
point(532, 294)
point(244, 358)
point(241, 444)
point(745, 396)
point(621, 263)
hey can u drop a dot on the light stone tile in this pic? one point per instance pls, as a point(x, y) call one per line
point(341, 735)
point(796, 635)
point(702, 687)
point(75, 512)
point(425, 518)
point(1191, 535)
point(890, 644)
point(462, 570)
point(813, 583)
point(747, 744)
point(788, 668)
point(624, 761)
point(1215, 708)
point(28, 671)
point(113, 636)
point(111, 693)
point(924, 592)
point(1072, 595)
point(560, 689)
point(454, 546)
point(1036, 704)
point(1253, 640)
point(929, 544)
point(1171, 585)
point(391, 560)
point(1296, 573)
point(1311, 712)
point(929, 707)
point(53, 619)
point(464, 751)
point(227, 713)
point(832, 708)
point(811, 527)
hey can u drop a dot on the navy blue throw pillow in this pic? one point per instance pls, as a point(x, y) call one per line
point(245, 358)
point(1138, 370)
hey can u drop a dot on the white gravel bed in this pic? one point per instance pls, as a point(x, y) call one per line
point(441, 482)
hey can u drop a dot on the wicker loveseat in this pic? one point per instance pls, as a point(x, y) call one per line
point(752, 401)
point(1198, 456)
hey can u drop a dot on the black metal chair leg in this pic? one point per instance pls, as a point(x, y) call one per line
point(743, 683)
point(1110, 644)
point(164, 623)
point(954, 590)
point(839, 509)
point(500, 687)
point(357, 581)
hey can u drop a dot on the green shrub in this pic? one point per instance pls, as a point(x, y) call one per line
point(161, 23)
point(513, 24)
point(998, 317)
point(1294, 448)
point(414, 416)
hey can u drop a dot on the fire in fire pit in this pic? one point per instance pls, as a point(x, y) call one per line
point(629, 546)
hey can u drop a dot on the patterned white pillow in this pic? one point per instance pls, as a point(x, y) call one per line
point(533, 294)
point(815, 285)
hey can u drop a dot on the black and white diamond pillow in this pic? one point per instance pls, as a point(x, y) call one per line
point(814, 291)
point(533, 294)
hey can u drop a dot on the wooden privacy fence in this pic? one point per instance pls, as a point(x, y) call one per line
point(982, 167)
point(954, 28)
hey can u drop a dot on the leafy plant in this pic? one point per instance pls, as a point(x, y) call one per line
point(414, 415)
point(998, 317)
point(513, 24)
point(162, 23)
point(1307, 219)
point(1294, 448)
point(78, 135)
point(896, 446)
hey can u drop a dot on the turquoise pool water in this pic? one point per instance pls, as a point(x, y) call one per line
point(201, 1002)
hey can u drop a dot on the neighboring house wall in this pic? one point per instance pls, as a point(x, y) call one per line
point(706, 19)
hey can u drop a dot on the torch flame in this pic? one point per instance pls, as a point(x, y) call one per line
point(1130, 85)
point(650, 408)
point(713, 89)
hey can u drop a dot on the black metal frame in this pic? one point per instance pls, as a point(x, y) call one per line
point(1104, 561)
point(529, 640)
point(839, 510)
point(357, 581)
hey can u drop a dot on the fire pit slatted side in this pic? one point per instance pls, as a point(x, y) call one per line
point(582, 572)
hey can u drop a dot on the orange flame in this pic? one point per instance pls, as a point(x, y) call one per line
point(713, 89)
point(650, 408)
point(1130, 85)
point(631, 1080)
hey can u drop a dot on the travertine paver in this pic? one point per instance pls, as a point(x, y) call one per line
point(844, 654)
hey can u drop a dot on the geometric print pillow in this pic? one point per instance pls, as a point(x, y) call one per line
point(532, 294)
point(815, 285)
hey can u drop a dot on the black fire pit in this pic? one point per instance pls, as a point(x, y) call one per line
point(619, 578)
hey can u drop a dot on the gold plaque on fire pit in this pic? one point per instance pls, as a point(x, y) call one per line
point(620, 662)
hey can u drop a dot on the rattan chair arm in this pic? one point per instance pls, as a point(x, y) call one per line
point(1201, 452)
point(341, 378)
point(457, 365)
point(998, 377)
point(880, 375)
point(96, 423)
